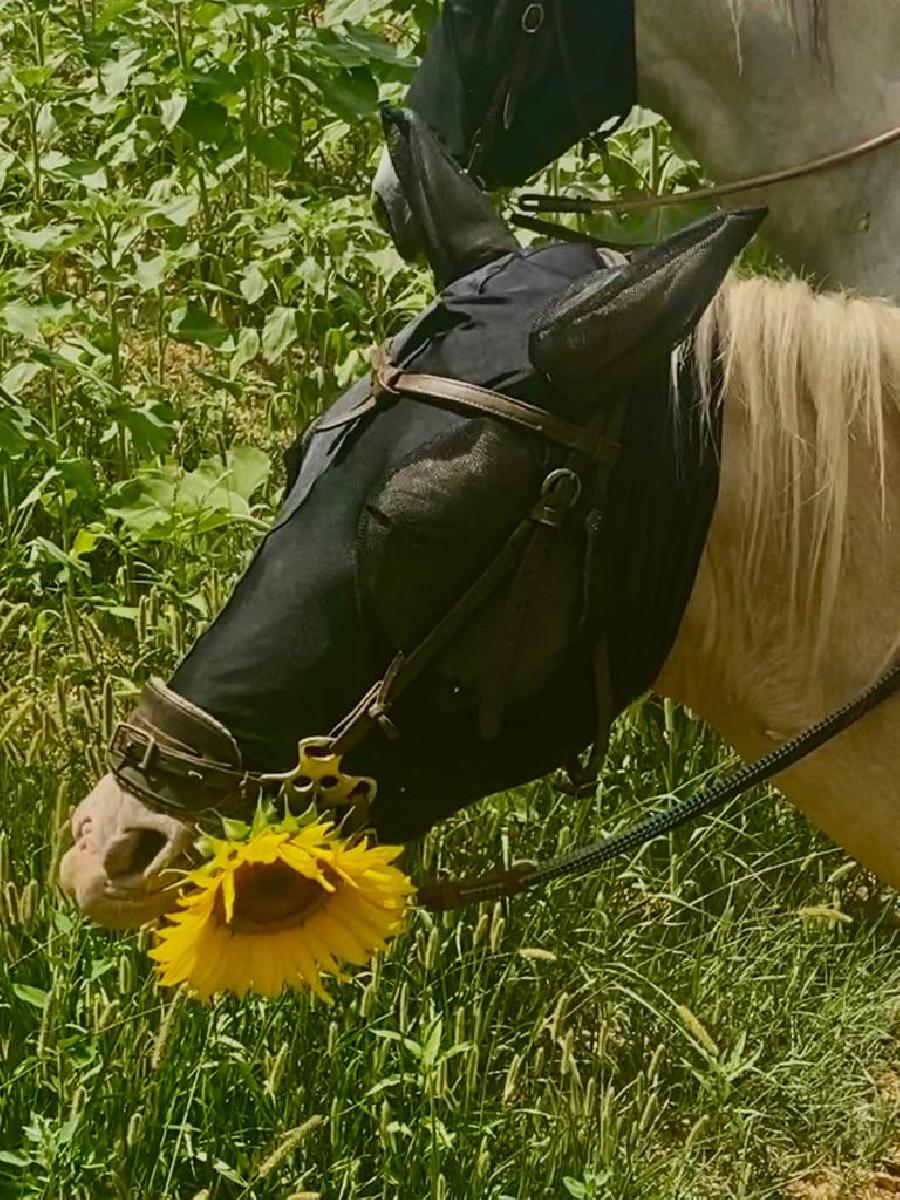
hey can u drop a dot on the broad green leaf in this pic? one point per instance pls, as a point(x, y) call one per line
point(116, 74)
point(14, 1160)
point(248, 469)
point(178, 209)
point(171, 110)
point(7, 158)
point(206, 121)
point(191, 323)
point(247, 350)
point(90, 173)
point(351, 94)
point(149, 273)
point(20, 375)
point(275, 147)
point(78, 474)
point(279, 332)
point(15, 430)
point(49, 237)
point(253, 283)
point(150, 426)
point(111, 13)
point(352, 11)
point(31, 320)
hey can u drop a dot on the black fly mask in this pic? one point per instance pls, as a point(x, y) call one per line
point(400, 503)
point(509, 85)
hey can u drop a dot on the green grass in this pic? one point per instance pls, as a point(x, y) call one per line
point(188, 271)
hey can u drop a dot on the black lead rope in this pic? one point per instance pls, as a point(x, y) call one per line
point(447, 894)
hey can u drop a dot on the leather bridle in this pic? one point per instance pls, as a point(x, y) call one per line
point(534, 202)
point(180, 760)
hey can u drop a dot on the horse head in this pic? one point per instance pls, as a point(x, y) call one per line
point(508, 87)
point(479, 529)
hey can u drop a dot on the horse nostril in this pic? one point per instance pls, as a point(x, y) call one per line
point(133, 852)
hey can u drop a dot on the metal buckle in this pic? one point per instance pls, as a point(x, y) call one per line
point(532, 18)
point(150, 750)
point(549, 486)
point(137, 747)
point(551, 506)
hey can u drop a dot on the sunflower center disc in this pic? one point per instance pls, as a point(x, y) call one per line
point(269, 897)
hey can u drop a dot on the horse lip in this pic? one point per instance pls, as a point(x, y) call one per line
point(141, 889)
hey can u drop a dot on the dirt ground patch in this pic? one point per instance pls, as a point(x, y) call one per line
point(868, 1185)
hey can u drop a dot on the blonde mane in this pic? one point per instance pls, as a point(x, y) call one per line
point(815, 376)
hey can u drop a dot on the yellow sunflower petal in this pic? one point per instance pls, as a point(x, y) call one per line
point(218, 939)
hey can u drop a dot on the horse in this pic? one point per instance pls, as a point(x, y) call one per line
point(574, 477)
point(750, 86)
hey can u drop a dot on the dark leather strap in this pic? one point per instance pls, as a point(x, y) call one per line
point(390, 380)
point(560, 492)
point(177, 757)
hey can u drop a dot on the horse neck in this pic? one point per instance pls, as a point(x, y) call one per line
point(752, 90)
point(752, 656)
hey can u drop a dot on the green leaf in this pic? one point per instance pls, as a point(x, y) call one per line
point(78, 474)
point(253, 283)
point(337, 11)
point(90, 173)
point(15, 430)
point(171, 110)
point(275, 147)
point(351, 95)
point(85, 542)
point(116, 74)
point(31, 995)
point(248, 469)
point(31, 320)
point(7, 158)
point(150, 425)
point(14, 1160)
point(432, 1044)
point(279, 332)
point(111, 12)
point(50, 237)
point(191, 323)
point(247, 350)
point(205, 120)
point(150, 272)
point(20, 376)
point(178, 209)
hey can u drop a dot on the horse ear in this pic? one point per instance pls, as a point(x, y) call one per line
point(459, 227)
point(605, 327)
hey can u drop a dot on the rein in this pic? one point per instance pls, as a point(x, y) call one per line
point(441, 895)
point(535, 202)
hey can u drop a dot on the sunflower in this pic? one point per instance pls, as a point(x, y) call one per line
point(280, 908)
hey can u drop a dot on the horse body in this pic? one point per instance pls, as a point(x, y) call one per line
point(794, 609)
point(753, 86)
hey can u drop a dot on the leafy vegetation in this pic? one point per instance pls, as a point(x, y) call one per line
point(188, 272)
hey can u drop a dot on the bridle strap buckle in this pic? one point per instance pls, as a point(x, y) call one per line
point(385, 371)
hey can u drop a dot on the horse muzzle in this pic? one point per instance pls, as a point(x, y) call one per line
point(393, 213)
point(123, 868)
